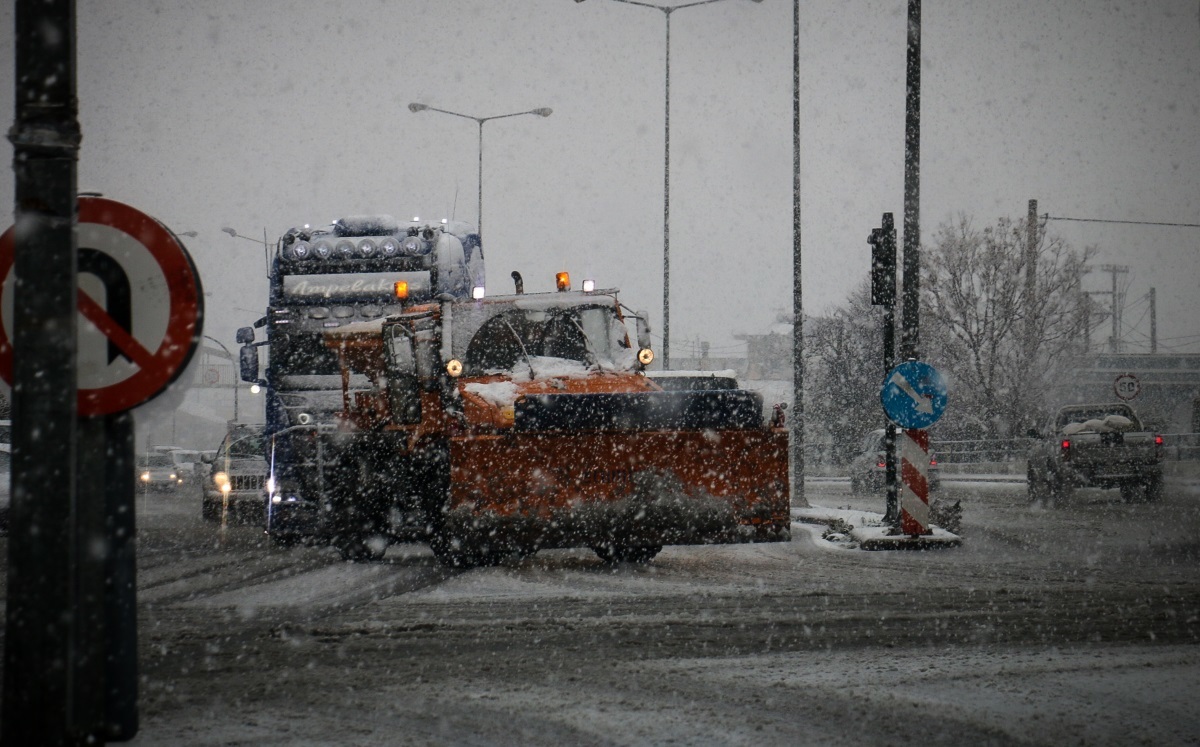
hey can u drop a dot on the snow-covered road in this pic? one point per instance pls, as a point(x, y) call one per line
point(1073, 625)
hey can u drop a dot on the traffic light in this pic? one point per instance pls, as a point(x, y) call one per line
point(883, 263)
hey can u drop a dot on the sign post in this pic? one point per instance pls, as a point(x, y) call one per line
point(138, 322)
point(914, 397)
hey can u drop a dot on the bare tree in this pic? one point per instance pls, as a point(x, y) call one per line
point(978, 305)
point(846, 371)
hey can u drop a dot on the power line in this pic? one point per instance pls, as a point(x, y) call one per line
point(1047, 216)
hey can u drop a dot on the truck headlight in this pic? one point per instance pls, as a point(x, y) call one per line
point(145, 476)
point(645, 356)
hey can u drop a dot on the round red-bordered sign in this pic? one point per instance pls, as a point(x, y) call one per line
point(1126, 386)
point(140, 306)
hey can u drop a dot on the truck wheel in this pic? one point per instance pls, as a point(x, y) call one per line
point(1130, 492)
point(360, 548)
point(209, 510)
point(614, 553)
point(1039, 489)
point(453, 551)
point(1154, 488)
point(1061, 490)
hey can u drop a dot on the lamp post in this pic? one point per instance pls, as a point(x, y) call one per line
point(541, 112)
point(667, 11)
point(266, 245)
point(235, 385)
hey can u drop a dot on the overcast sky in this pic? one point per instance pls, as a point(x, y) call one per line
point(271, 114)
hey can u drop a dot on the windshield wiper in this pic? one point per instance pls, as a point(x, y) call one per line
point(524, 352)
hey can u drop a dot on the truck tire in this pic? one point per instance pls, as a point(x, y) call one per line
point(616, 553)
point(1061, 489)
point(1131, 492)
point(1154, 488)
point(1039, 489)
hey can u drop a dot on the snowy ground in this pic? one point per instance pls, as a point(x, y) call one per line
point(1072, 625)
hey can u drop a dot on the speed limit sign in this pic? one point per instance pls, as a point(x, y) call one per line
point(1126, 386)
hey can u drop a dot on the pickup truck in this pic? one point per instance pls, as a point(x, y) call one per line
point(1100, 446)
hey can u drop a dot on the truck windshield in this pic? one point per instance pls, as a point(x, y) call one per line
point(555, 340)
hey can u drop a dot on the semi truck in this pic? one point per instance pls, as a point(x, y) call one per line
point(355, 269)
point(495, 427)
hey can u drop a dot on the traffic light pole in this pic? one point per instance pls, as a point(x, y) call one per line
point(883, 293)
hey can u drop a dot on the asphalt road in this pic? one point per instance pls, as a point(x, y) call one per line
point(1073, 625)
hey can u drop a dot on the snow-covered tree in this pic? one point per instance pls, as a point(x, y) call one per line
point(1000, 344)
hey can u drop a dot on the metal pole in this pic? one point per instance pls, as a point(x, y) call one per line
point(1153, 323)
point(229, 355)
point(480, 216)
point(797, 434)
point(910, 336)
point(892, 504)
point(667, 202)
point(41, 683)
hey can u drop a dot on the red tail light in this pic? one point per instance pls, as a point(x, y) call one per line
point(1066, 444)
point(1158, 440)
point(881, 465)
point(933, 462)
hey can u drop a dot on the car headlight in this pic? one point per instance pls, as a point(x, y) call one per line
point(221, 479)
point(145, 477)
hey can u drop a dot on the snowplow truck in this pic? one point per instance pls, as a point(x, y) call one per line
point(496, 427)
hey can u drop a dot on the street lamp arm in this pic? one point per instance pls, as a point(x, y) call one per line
point(669, 9)
point(415, 108)
point(237, 235)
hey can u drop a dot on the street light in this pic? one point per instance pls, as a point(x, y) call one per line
point(265, 244)
point(542, 112)
point(229, 355)
point(667, 11)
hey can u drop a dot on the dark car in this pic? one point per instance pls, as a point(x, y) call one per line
point(237, 475)
point(868, 470)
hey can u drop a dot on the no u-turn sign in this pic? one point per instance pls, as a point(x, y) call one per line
point(139, 305)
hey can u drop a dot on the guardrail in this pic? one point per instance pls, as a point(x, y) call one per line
point(1177, 447)
point(974, 452)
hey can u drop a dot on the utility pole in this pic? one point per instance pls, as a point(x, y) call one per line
point(910, 338)
point(1117, 303)
point(1153, 323)
point(1031, 241)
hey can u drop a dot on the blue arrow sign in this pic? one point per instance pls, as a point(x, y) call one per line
point(914, 395)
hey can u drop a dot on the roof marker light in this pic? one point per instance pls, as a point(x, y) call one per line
point(589, 286)
point(563, 281)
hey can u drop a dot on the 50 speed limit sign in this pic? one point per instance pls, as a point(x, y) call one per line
point(1126, 386)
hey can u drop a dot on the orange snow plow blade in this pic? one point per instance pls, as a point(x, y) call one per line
point(630, 487)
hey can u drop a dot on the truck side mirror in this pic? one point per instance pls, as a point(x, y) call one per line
point(245, 335)
point(643, 331)
point(248, 360)
point(402, 356)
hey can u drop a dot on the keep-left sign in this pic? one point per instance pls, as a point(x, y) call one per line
point(140, 306)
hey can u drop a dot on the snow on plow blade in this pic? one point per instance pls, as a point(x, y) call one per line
point(662, 468)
